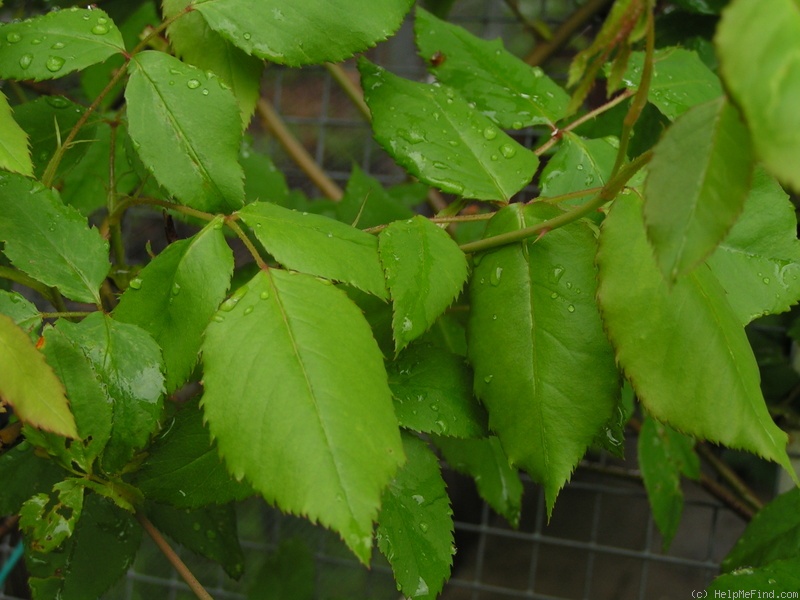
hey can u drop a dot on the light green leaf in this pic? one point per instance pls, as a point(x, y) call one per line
point(135, 387)
point(696, 185)
point(183, 468)
point(57, 43)
point(425, 271)
point(415, 526)
point(15, 155)
point(680, 80)
point(330, 30)
point(22, 312)
point(579, 164)
point(504, 88)
point(186, 127)
point(759, 51)
point(48, 521)
point(204, 48)
point(434, 134)
point(49, 241)
point(665, 454)
point(317, 245)
point(484, 460)
point(534, 326)
point(174, 297)
point(781, 578)
point(432, 391)
point(28, 384)
point(668, 340)
point(320, 440)
point(366, 203)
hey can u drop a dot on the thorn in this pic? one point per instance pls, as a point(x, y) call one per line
point(541, 234)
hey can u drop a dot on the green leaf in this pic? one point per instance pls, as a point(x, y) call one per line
point(425, 271)
point(579, 164)
point(665, 454)
point(49, 241)
point(317, 245)
point(320, 440)
point(135, 387)
point(758, 263)
point(22, 312)
point(680, 80)
point(47, 522)
point(759, 52)
point(209, 532)
point(705, 7)
point(28, 384)
point(432, 391)
point(202, 47)
point(271, 28)
point(25, 474)
point(438, 137)
point(15, 155)
point(287, 574)
point(98, 553)
point(534, 326)
point(415, 526)
point(262, 179)
point(186, 128)
point(183, 468)
point(484, 460)
point(504, 88)
point(772, 535)
point(366, 203)
point(696, 186)
point(781, 578)
point(668, 340)
point(57, 43)
point(174, 297)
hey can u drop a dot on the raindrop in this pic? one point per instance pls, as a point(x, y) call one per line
point(205, 92)
point(554, 295)
point(13, 38)
point(176, 288)
point(54, 63)
point(247, 36)
point(100, 28)
point(488, 378)
point(231, 302)
point(25, 60)
point(508, 150)
point(248, 310)
point(494, 317)
point(434, 407)
point(571, 308)
point(496, 275)
point(516, 125)
point(423, 527)
point(558, 273)
point(580, 167)
point(218, 225)
point(407, 324)
point(766, 280)
point(264, 295)
point(58, 46)
point(193, 84)
point(136, 284)
point(490, 133)
point(418, 499)
point(218, 318)
point(36, 41)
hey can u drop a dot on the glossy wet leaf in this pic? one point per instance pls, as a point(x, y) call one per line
point(49, 519)
point(438, 137)
point(760, 63)
point(432, 391)
point(28, 384)
point(23, 312)
point(668, 340)
point(415, 526)
point(49, 241)
point(186, 127)
point(779, 577)
point(135, 387)
point(321, 440)
point(199, 45)
point(272, 29)
point(425, 271)
point(665, 455)
point(506, 89)
point(317, 245)
point(533, 325)
point(15, 153)
point(366, 203)
point(174, 297)
point(696, 185)
point(578, 164)
point(25, 474)
point(772, 535)
point(483, 459)
point(680, 80)
point(183, 467)
point(57, 43)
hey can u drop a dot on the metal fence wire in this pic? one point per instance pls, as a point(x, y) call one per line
point(601, 542)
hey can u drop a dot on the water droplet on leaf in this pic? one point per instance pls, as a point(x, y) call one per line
point(54, 63)
point(25, 60)
point(496, 275)
point(490, 133)
point(508, 150)
point(100, 28)
point(193, 84)
point(13, 38)
point(136, 284)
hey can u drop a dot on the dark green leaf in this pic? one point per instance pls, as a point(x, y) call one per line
point(366, 203)
point(425, 271)
point(508, 91)
point(321, 439)
point(24, 474)
point(760, 62)
point(668, 340)
point(432, 391)
point(174, 297)
point(484, 460)
point(57, 43)
point(438, 137)
point(287, 574)
point(781, 578)
point(22, 312)
point(706, 7)
point(49, 241)
point(696, 185)
point(15, 155)
point(317, 245)
point(534, 326)
point(47, 520)
point(579, 164)
point(271, 29)
point(415, 526)
point(186, 127)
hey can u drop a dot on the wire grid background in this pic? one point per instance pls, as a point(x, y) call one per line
point(601, 542)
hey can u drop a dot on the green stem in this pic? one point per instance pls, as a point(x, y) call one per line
point(247, 243)
point(608, 193)
point(115, 217)
point(350, 89)
point(542, 52)
point(68, 314)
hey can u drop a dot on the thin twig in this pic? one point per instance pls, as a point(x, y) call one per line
point(731, 478)
point(247, 243)
point(350, 89)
